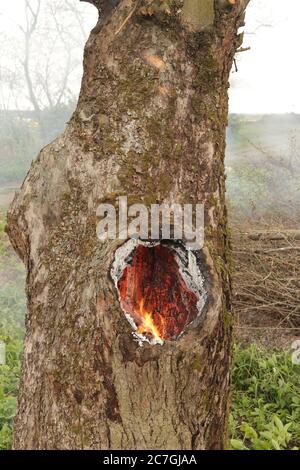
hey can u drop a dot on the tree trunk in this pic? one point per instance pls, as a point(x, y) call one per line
point(150, 123)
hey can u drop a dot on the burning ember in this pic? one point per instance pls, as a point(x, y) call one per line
point(157, 293)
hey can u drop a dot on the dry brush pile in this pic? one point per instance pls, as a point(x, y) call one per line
point(266, 275)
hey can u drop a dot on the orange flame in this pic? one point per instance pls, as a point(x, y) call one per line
point(148, 326)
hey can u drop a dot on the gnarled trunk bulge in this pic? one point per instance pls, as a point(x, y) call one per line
point(136, 355)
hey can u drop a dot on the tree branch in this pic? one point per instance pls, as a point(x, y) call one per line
point(31, 24)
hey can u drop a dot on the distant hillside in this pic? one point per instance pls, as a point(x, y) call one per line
point(23, 134)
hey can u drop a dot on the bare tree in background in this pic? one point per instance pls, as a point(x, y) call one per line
point(46, 55)
point(32, 17)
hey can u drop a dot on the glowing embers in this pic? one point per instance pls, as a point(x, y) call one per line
point(160, 289)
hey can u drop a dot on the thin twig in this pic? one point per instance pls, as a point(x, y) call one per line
point(243, 49)
point(127, 19)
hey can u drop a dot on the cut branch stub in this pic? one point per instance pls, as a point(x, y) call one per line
point(160, 289)
point(198, 14)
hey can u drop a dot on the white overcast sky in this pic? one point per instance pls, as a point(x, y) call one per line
point(268, 80)
point(269, 74)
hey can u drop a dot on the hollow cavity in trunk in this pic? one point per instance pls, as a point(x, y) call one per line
point(160, 288)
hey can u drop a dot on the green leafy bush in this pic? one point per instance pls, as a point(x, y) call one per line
point(9, 381)
point(266, 402)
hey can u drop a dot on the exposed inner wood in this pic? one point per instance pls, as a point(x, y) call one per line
point(154, 293)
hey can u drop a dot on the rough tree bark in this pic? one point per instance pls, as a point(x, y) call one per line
point(150, 123)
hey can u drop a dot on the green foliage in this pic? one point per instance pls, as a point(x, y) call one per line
point(266, 402)
point(12, 309)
